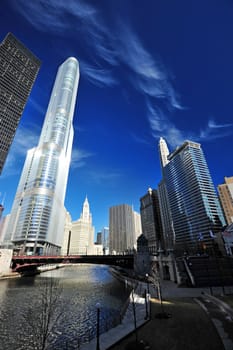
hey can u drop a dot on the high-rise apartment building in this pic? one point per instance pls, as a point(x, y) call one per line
point(122, 229)
point(18, 71)
point(150, 219)
point(195, 210)
point(38, 215)
point(226, 198)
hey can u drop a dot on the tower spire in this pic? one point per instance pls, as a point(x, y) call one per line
point(163, 152)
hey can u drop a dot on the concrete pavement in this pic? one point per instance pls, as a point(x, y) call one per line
point(169, 290)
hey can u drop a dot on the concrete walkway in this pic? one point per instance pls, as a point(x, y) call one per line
point(127, 326)
point(169, 290)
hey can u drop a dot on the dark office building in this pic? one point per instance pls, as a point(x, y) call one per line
point(18, 71)
point(151, 221)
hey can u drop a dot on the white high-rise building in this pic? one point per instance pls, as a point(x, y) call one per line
point(38, 215)
point(82, 233)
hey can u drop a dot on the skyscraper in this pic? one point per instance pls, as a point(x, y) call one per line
point(105, 239)
point(122, 229)
point(38, 214)
point(226, 198)
point(168, 240)
point(18, 71)
point(150, 218)
point(194, 207)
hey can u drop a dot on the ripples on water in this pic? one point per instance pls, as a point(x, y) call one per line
point(82, 287)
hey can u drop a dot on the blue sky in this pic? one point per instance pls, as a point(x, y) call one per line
point(147, 69)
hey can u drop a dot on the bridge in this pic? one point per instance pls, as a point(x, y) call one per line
point(25, 264)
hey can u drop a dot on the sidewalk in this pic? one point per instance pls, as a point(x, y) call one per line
point(185, 313)
point(126, 327)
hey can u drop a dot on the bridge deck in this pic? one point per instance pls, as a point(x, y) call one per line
point(116, 260)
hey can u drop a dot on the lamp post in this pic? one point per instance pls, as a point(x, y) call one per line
point(147, 282)
point(147, 296)
point(146, 304)
point(98, 326)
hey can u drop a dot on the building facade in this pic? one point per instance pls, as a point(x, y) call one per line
point(82, 233)
point(99, 239)
point(18, 71)
point(38, 215)
point(195, 210)
point(226, 198)
point(65, 249)
point(105, 240)
point(150, 219)
point(123, 229)
point(168, 236)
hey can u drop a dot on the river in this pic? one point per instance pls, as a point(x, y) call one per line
point(69, 297)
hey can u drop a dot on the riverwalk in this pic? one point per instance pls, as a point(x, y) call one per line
point(192, 321)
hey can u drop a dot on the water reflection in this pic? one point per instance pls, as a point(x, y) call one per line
point(82, 287)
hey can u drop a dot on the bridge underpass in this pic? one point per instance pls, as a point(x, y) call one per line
point(29, 264)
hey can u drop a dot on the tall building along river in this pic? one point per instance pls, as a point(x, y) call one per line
point(37, 219)
point(190, 199)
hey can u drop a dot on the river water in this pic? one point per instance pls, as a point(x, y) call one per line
point(68, 296)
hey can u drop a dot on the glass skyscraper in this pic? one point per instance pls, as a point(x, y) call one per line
point(18, 71)
point(38, 215)
point(196, 215)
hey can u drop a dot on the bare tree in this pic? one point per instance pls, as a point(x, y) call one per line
point(40, 320)
point(155, 279)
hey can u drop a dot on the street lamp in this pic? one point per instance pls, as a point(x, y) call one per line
point(147, 297)
point(98, 326)
point(146, 304)
point(147, 282)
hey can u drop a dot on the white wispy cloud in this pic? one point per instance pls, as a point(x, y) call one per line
point(118, 46)
point(24, 137)
point(50, 15)
point(161, 125)
point(150, 76)
point(215, 131)
point(103, 177)
point(212, 124)
point(78, 158)
point(37, 106)
point(136, 57)
point(97, 76)
point(62, 18)
point(140, 139)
